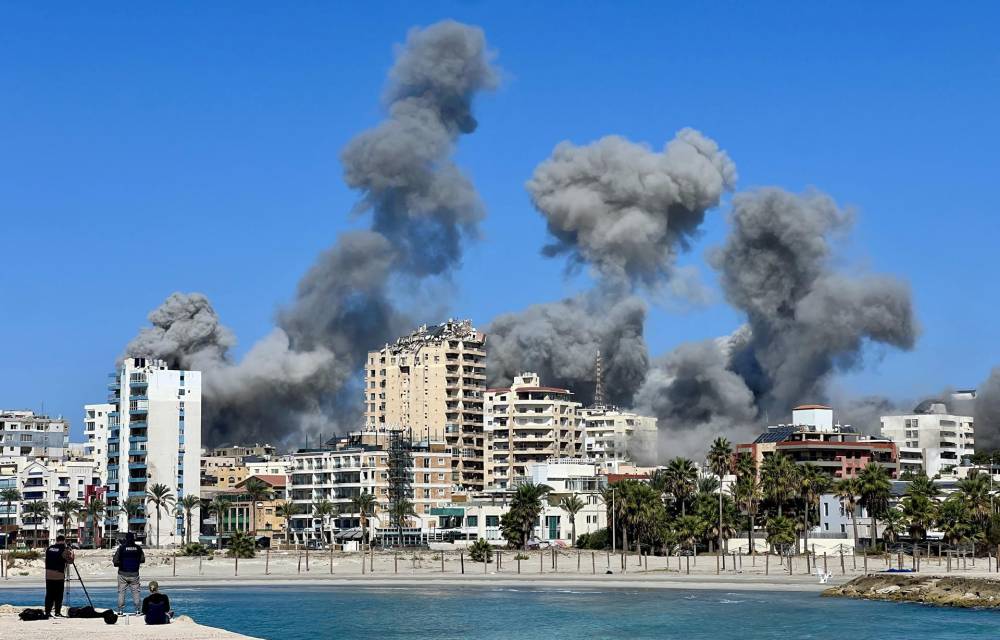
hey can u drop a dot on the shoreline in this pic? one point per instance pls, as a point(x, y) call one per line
point(803, 584)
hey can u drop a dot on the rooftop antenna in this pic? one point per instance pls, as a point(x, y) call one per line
point(599, 381)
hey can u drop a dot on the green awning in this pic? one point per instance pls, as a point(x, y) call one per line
point(447, 511)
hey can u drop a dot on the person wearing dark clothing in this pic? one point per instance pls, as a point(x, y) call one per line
point(156, 606)
point(128, 557)
point(57, 556)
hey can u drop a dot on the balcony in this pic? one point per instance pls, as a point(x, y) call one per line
point(138, 412)
point(137, 452)
point(137, 494)
point(137, 520)
point(137, 424)
point(134, 439)
point(137, 384)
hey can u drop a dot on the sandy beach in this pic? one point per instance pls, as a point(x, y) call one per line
point(563, 568)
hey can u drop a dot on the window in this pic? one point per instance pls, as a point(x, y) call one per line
point(472, 521)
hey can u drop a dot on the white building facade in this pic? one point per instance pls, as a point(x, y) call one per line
point(931, 440)
point(154, 438)
point(25, 434)
point(96, 418)
point(612, 435)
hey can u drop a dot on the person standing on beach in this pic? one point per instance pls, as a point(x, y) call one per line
point(128, 558)
point(57, 556)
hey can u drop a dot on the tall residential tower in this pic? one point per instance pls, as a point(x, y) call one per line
point(154, 437)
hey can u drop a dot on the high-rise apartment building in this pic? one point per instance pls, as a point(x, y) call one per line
point(25, 434)
point(154, 437)
point(528, 423)
point(611, 435)
point(931, 440)
point(96, 418)
point(431, 382)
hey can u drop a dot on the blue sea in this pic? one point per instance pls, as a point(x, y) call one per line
point(316, 613)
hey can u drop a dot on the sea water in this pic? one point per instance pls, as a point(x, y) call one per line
point(317, 613)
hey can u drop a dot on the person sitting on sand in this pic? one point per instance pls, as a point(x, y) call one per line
point(156, 606)
point(57, 556)
point(128, 557)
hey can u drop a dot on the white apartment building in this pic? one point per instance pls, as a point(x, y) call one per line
point(154, 438)
point(29, 435)
point(613, 435)
point(277, 466)
point(432, 382)
point(359, 464)
point(48, 482)
point(931, 440)
point(528, 423)
point(95, 429)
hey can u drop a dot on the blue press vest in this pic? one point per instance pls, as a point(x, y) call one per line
point(129, 559)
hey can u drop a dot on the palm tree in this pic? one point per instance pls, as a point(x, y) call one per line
point(399, 512)
point(919, 511)
point(287, 511)
point(94, 511)
point(720, 461)
point(874, 486)
point(747, 493)
point(364, 505)
point(975, 491)
point(525, 508)
point(572, 505)
point(921, 485)
point(688, 529)
point(954, 519)
point(132, 507)
point(10, 495)
point(893, 524)
point(813, 484)
point(323, 509)
point(219, 507)
point(162, 498)
point(779, 479)
point(847, 492)
point(187, 505)
point(35, 510)
point(257, 491)
point(682, 477)
point(780, 531)
point(67, 508)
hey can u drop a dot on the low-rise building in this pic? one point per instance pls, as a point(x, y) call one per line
point(25, 434)
point(613, 435)
point(813, 438)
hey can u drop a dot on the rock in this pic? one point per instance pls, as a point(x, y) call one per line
point(890, 589)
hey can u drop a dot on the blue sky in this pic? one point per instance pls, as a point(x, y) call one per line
point(145, 150)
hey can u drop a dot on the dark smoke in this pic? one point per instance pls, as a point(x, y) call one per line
point(628, 212)
point(987, 412)
point(420, 199)
point(625, 209)
point(560, 341)
point(305, 374)
point(804, 322)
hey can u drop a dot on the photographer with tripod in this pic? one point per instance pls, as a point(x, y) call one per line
point(57, 556)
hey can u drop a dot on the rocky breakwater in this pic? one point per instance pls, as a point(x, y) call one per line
point(936, 590)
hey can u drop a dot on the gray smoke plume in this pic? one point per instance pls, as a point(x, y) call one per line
point(987, 412)
point(804, 322)
point(560, 341)
point(628, 212)
point(304, 375)
point(626, 209)
point(420, 199)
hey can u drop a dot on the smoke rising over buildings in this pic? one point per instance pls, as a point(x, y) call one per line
point(620, 209)
point(302, 375)
point(987, 412)
point(803, 320)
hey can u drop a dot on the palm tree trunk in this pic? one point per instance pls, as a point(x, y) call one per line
point(854, 525)
point(750, 541)
point(189, 527)
point(157, 526)
point(874, 531)
point(805, 527)
point(574, 531)
point(720, 514)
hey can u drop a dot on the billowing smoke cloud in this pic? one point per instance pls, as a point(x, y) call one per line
point(420, 199)
point(987, 412)
point(804, 322)
point(625, 209)
point(560, 341)
point(304, 374)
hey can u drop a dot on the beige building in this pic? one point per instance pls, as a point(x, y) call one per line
point(222, 472)
point(528, 423)
point(360, 463)
point(241, 515)
point(612, 436)
point(432, 382)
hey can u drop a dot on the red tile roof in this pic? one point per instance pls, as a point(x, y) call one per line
point(273, 480)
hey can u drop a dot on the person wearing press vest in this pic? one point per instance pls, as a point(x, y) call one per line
point(127, 558)
point(57, 556)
